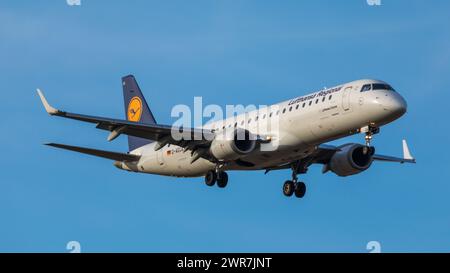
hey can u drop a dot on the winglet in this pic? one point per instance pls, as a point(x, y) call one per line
point(48, 107)
point(406, 152)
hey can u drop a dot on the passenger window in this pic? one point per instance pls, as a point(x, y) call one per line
point(264, 116)
point(304, 104)
point(290, 109)
point(323, 99)
point(317, 100)
point(296, 107)
point(329, 98)
point(249, 120)
point(310, 102)
point(284, 110)
point(366, 87)
point(235, 124)
point(270, 115)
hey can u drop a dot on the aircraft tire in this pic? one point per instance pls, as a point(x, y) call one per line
point(222, 180)
point(300, 189)
point(210, 178)
point(288, 188)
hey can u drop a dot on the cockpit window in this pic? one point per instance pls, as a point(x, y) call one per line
point(376, 86)
point(366, 87)
point(381, 86)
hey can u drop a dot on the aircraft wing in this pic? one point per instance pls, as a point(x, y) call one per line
point(323, 153)
point(161, 133)
point(407, 157)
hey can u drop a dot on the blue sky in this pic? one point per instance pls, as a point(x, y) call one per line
point(228, 52)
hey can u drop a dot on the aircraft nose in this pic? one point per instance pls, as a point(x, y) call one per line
point(396, 104)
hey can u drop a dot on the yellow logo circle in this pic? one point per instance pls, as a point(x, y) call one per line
point(134, 109)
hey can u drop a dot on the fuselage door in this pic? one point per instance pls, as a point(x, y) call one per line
point(346, 98)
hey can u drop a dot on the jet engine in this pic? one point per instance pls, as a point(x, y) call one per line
point(232, 144)
point(351, 159)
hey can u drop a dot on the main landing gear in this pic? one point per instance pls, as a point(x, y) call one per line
point(293, 186)
point(218, 176)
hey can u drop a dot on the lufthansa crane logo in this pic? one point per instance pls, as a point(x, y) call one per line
point(134, 109)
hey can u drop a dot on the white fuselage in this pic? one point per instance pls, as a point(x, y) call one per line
point(301, 124)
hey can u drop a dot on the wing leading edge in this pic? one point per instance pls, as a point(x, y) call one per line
point(323, 153)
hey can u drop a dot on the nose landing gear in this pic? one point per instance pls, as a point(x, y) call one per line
point(370, 131)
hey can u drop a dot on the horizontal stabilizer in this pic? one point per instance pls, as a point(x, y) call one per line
point(100, 153)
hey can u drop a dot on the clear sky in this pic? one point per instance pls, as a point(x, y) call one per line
point(228, 52)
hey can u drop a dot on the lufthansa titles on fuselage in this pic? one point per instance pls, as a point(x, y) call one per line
point(315, 95)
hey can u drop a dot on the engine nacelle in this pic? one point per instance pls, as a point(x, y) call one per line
point(351, 159)
point(232, 144)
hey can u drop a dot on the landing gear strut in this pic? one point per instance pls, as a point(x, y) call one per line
point(293, 186)
point(370, 131)
point(218, 176)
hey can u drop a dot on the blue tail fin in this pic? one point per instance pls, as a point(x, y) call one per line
point(136, 109)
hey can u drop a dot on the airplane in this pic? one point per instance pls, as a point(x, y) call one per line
point(303, 127)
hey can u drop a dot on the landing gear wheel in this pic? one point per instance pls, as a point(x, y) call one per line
point(210, 178)
point(288, 188)
point(222, 179)
point(300, 189)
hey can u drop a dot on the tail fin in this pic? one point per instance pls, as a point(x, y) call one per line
point(136, 109)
